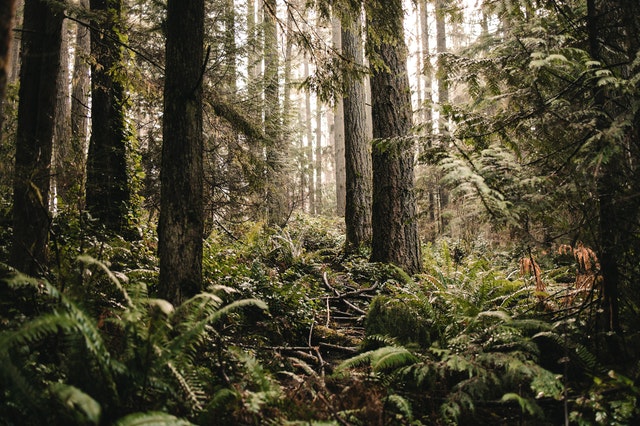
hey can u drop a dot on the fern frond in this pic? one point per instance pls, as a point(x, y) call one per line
point(500, 315)
point(391, 358)
point(526, 405)
point(152, 419)
point(192, 393)
point(88, 260)
point(233, 306)
point(402, 405)
point(16, 380)
point(82, 407)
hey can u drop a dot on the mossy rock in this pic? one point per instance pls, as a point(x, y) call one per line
point(404, 317)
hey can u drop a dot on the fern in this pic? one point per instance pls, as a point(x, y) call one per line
point(145, 351)
point(151, 419)
point(80, 407)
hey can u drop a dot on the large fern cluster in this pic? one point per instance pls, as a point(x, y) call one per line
point(477, 350)
point(127, 359)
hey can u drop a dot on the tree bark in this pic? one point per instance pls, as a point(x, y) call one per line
point(80, 91)
point(613, 31)
point(427, 115)
point(357, 148)
point(277, 206)
point(7, 13)
point(36, 119)
point(310, 166)
point(441, 47)
point(60, 182)
point(107, 187)
point(181, 224)
point(338, 131)
point(395, 232)
point(317, 190)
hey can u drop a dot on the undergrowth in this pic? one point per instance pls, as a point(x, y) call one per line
point(479, 337)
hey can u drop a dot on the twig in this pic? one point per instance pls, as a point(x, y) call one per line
point(350, 349)
point(311, 332)
point(353, 293)
point(328, 313)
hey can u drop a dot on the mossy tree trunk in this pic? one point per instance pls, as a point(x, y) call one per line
point(41, 37)
point(107, 186)
point(357, 145)
point(395, 231)
point(277, 152)
point(181, 226)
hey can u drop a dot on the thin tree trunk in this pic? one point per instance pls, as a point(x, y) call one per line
point(60, 182)
point(318, 157)
point(36, 119)
point(426, 64)
point(357, 148)
point(80, 91)
point(395, 231)
point(441, 47)
point(181, 224)
point(338, 131)
point(7, 13)
point(309, 167)
point(14, 64)
point(277, 208)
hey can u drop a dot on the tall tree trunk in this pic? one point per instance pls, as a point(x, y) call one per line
point(181, 224)
point(338, 131)
point(277, 208)
point(230, 46)
point(318, 157)
point(310, 166)
point(107, 184)
point(36, 119)
point(395, 231)
point(80, 91)
point(252, 60)
point(62, 131)
point(441, 46)
point(357, 148)
point(7, 13)
point(613, 35)
point(14, 70)
point(427, 115)
point(607, 186)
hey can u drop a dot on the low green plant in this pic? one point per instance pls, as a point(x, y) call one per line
point(100, 363)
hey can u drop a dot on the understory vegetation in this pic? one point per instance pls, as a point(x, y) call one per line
point(292, 331)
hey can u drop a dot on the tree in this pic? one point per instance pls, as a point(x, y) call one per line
point(107, 185)
point(181, 223)
point(356, 141)
point(555, 135)
point(7, 12)
point(36, 120)
point(80, 91)
point(394, 221)
point(617, 137)
point(277, 149)
point(338, 127)
point(60, 183)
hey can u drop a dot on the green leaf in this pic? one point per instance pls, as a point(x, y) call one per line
point(83, 407)
point(526, 405)
point(151, 419)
